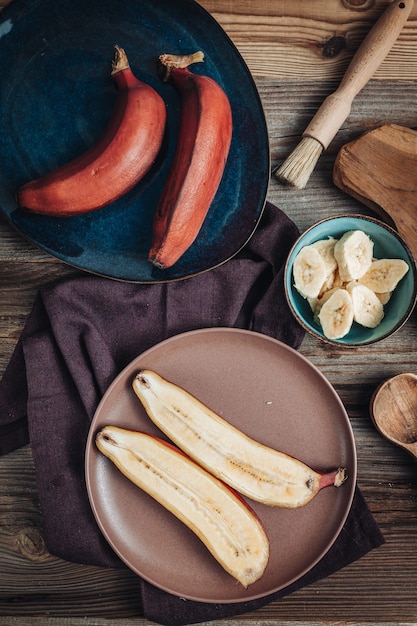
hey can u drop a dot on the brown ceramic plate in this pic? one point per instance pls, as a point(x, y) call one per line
point(272, 393)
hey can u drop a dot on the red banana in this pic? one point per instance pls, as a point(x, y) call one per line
point(115, 163)
point(203, 145)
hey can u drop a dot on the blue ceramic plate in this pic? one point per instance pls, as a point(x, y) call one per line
point(56, 95)
point(387, 244)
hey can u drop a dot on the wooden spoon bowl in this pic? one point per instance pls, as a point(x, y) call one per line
point(393, 409)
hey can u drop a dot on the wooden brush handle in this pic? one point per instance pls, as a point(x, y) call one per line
point(369, 56)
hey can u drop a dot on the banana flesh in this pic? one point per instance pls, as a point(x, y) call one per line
point(325, 247)
point(220, 518)
point(336, 314)
point(353, 253)
point(255, 470)
point(309, 272)
point(384, 275)
point(368, 309)
point(354, 287)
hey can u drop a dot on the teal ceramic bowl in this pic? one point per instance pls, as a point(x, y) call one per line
point(387, 244)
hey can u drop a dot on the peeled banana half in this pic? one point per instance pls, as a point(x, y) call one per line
point(218, 516)
point(255, 470)
point(344, 283)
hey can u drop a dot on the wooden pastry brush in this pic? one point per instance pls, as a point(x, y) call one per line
point(297, 168)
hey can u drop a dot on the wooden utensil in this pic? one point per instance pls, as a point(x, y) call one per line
point(297, 168)
point(379, 169)
point(393, 409)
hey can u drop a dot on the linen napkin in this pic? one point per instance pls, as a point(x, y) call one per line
point(82, 332)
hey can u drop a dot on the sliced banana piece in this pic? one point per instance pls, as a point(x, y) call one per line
point(325, 247)
point(255, 470)
point(319, 302)
point(309, 272)
point(368, 310)
point(336, 314)
point(332, 281)
point(384, 298)
point(384, 275)
point(353, 253)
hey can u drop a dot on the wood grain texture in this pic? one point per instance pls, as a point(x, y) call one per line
point(393, 410)
point(379, 169)
point(314, 39)
point(283, 44)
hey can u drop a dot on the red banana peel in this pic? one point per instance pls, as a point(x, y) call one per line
point(202, 149)
point(115, 163)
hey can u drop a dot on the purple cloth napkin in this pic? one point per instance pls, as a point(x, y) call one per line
point(82, 332)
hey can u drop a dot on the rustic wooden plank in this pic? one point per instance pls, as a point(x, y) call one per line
point(244, 620)
point(296, 39)
point(14, 246)
point(19, 283)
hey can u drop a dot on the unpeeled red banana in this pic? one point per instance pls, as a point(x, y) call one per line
point(204, 139)
point(115, 163)
point(350, 285)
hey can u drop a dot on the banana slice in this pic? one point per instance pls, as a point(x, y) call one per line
point(336, 314)
point(332, 281)
point(353, 253)
point(309, 272)
point(318, 303)
point(384, 275)
point(384, 298)
point(325, 248)
point(368, 310)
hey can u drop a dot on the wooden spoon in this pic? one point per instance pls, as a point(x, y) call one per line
point(393, 410)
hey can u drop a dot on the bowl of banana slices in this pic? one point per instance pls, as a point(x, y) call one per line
point(351, 280)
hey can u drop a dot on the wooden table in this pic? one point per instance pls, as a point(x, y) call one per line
point(297, 52)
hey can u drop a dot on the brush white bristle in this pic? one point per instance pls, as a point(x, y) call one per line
point(297, 168)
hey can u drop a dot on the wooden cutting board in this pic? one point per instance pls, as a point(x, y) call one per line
point(380, 170)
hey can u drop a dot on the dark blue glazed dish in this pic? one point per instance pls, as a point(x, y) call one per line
point(56, 95)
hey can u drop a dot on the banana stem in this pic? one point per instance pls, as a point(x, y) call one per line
point(335, 478)
point(170, 61)
point(120, 61)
